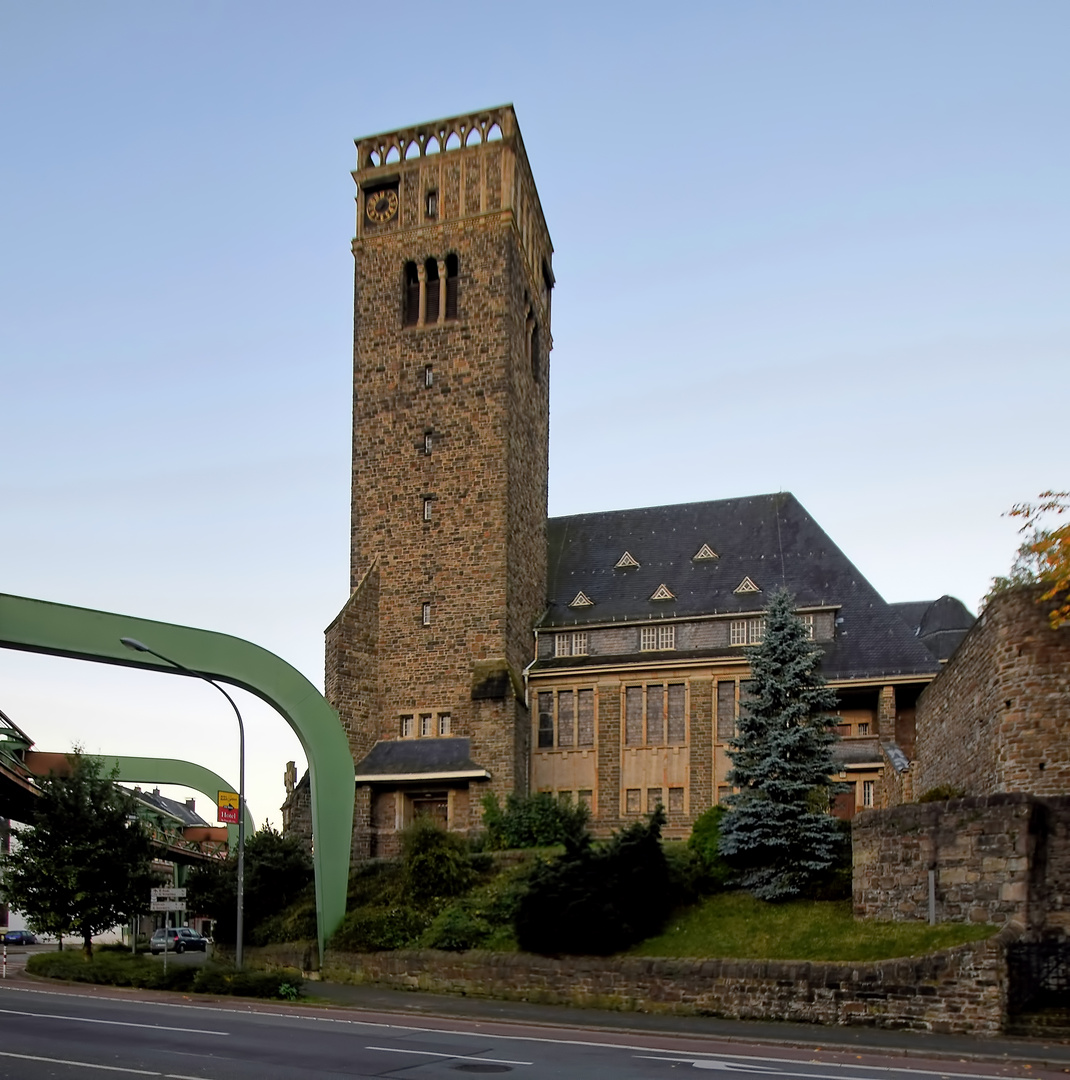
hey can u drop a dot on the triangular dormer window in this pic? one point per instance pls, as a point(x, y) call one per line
point(625, 562)
point(746, 586)
point(705, 552)
point(662, 593)
point(582, 600)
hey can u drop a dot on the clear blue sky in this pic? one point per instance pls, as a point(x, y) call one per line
point(821, 247)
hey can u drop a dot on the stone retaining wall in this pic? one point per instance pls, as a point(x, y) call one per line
point(960, 990)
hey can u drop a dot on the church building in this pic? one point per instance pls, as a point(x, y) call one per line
point(485, 648)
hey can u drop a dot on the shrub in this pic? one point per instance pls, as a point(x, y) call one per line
point(704, 842)
point(380, 929)
point(538, 820)
point(112, 969)
point(282, 983)
point(598, 900)
point(941, 793)
point(461, 926)
point(437, 863)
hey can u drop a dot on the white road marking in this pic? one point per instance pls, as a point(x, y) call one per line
point(459, 1057)
point(479, 1022)
point(113, 1023)
point(78, 1064)
point(756, 1070)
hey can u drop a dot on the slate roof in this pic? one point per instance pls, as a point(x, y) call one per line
point(940, 625)
point(420, 759)
point(769, 538)
point(172, 807)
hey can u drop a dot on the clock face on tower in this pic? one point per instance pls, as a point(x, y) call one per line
point(381, 206)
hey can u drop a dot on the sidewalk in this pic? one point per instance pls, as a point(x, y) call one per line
point(415, 1003)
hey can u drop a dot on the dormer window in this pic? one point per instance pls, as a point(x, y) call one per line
point(626, 562)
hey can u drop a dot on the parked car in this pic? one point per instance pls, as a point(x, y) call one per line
point(19, 937)
point(177, 939)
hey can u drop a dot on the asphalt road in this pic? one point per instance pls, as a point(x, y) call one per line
point(69, 1034)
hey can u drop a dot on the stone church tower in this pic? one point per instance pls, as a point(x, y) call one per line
point(451, 347)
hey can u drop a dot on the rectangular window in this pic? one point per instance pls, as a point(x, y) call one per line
point(633, 716)
point(562, 644)
point(406, 726)
point(726, 710)
point(657, 638)
point(445, 722)
point(425, 614)
point(428, 441)
point(655, 715)
point(863, 728)
point(755, 631)
point(868, 787)
point(676, 800)
point(808, 622)
point(427, 727)
point(653, 799)
point(631, 800)
point(738, 632)
point(427, 509)
point(579, 643)
point(677, 713)
point(546, 719)
point(723, 793)
point(566, 711)
point(585, 718)
point(432, 204)
point(586, 797)
point(429, 375)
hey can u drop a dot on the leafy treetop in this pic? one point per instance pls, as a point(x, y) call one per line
point(83, 865)
point(1044, 555)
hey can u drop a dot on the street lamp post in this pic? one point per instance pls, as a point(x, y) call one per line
point(138, 646)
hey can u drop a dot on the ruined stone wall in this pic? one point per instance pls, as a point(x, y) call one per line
point(996, 858)
point(997, 718)
point(961, 990)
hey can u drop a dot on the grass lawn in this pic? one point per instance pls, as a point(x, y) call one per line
point(738, 926)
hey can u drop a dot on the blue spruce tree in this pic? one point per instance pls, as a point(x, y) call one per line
point(778, 833)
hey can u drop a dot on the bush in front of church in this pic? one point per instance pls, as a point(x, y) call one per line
point(598, 899)
point(528, 821)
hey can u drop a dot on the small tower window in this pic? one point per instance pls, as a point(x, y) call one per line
point(425, 614)
point(427, 507)
point(431, 311)
point(412, 295)
point(428, 441)
point(431, 204)
point(429, 375)
point(453, 271)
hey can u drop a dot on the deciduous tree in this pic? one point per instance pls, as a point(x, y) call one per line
point(778, 833)
point(83, 865)
point(1044, 556)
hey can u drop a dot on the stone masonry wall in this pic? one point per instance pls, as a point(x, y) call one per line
point(997, 718)
point(961, 990)
point(982, 850)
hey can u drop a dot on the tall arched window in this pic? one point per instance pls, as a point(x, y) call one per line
point(431, 310)
point(412, 295)
point(453, 273)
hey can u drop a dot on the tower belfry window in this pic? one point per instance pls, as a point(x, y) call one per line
point(453, 271)
point(431, 302)
point(412, 295)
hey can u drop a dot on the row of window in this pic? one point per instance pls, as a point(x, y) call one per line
point(424, 725)
point(566, 718)
point(633, 800)
point(663, 638)
point(431, 291)
point(655, 714)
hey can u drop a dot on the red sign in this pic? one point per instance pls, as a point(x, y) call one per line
point(228, 815)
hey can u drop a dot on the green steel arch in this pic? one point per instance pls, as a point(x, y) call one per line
point(84, 634)
point(159, 770)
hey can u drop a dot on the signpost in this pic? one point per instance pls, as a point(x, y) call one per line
point(165, 900)
point(228, 807)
